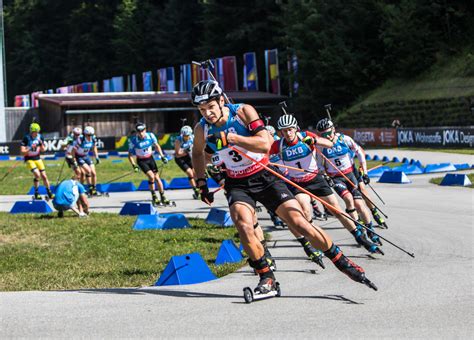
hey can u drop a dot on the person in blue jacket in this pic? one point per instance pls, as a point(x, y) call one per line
point(71, 195)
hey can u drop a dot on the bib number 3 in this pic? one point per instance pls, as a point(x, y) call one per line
point(235, 156)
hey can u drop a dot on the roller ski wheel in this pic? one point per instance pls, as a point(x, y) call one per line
point(196, 196)
point(251, 296)
point(314, 255)
point(168, 204)
point(369, 284)
point(37, 197)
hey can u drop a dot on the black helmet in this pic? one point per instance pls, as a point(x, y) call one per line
point(205, 91)
point(140, 126)
point(324, 124)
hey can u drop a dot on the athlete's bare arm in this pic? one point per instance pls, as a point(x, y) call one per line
point(199, 161)
point(158, 149)
point(260, 142)
point(178, 152)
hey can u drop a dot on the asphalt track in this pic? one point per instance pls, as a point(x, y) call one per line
point(430, 296)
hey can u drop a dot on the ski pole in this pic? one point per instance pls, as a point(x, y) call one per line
point(119, 177)
point(378, 166)
point(205, 65)
point(315, 197)
point(10, 170)
point(60, 171)
point(375, 192)
point(292, 168)
point(349, 181)
point(217, 190)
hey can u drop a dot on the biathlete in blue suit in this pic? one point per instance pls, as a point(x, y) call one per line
point(183, 147)
point(232, 131)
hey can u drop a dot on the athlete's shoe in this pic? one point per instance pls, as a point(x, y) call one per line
point(328, 212)
point(372, 236)
point(37, 196)
point(155, 200)
point(196, 194)
point(277, 222)
point(92, 191)
point(270, 260)
point(362, 239)
point(50, 194)
point(348, 267)
point(60, 213)
point(314, 254)
point(265, 285)
point(164, 200)
point(317, 214)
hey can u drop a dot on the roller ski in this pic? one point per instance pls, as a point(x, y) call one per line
point(155, 201)
point(37, 197)
point(313, 254)
point(277, 222)
point(362, 239)
point(266, 288)
point(166, 202)
point(317, 214)
point(379, 219)
point(196, 194)
point(348, 267)
point(370, 233)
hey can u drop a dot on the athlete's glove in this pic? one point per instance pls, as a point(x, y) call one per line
point(136, 168)
point(219, 139)
point(206, 196)
point(212, 169)
point(329, 180)
point(366, 178)
point(164, 160)
point(97, 160)
point(309, 140)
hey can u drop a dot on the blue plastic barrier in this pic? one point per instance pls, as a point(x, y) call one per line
point(228, 253)
point(131, 208)
point(179, 183)
point(463, 166)
point(113, 153)
point(184, 270)
point(378, 172)
point(412, 161)
point(103, 156)
point(4, 158)
point(405, 160)
point(41, 190)
point(396, 160)
point(144, 185)
point(161, 221)
point(418, 164)
point(367, 157)
point(376, 158)
point(385, 159)
point(439, 167)
point(31, 207)
point(410, 169)
point(396, 177)
point(121, 187)
point(211, 183)
point(50, 157)
point(455, 179)
point(219, 217)
point(60, 154)
point(123, 154)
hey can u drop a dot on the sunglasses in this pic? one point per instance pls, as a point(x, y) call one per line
point(327, 134)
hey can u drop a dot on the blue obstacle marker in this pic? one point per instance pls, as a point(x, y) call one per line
point(367, 157)
point(99, 186)
point(439, 167)
point(179, 183)
point(410, 169)
point(4, 158)
point(396, 177)
point(405, 160)
point(161, 222)
point(184, 270)
point(60, 154)
point(113, 153)
point(376, 158)
point(228, 253)
point(412, 161)
point(212, 184)
point(455, 179)
point(378, 172)
point(41, 190)
point(123, 154)
point(219, 217)
point(132, 208)
point(117, 161)
point(103, 156)
point(50, 157)
point(418, 164)
point(144, 185)
point(385, 159)
point(121, 187)
point(19, 158)
point(31, 207)
point(463, 166)
point(396, 160)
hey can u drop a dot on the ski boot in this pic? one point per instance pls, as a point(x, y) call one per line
point(50, 195)
point(92, 191)
point(270, 260)
point(379, 219)
point(37, 196)
point(348, 267)
point(196, 194)
point(313, 254)
point(372, 236)
point(277, 222)
point(155, 201)
point(317, 214)
point(166, 202)
point(267, 286)
point(362, 239)
point(60, 213)
point(328, 213)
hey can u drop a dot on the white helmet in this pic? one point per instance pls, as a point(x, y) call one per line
point(270, 129)
point(77, 130)
point(89, 130)
point(186, 131)
point(287, 121)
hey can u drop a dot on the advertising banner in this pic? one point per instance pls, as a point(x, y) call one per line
point(437, 137)
point(372, 136)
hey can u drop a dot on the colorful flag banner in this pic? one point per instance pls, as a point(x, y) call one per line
point(132, 83)
point(106, 85)
point(50, 91)
point(272, 72)
point(22, 100)
point(195, 74)
point(147, 81)
point(229, 73)
point(293, 74)
point(116, 84)
point(170, 79)
point(62, 89)
point(250, 72)
point(162, 82)
point(95, 86)
point(185, 78)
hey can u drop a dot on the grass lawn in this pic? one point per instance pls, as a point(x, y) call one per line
point(42, 252)
point(20, 180)
point(438, 180)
